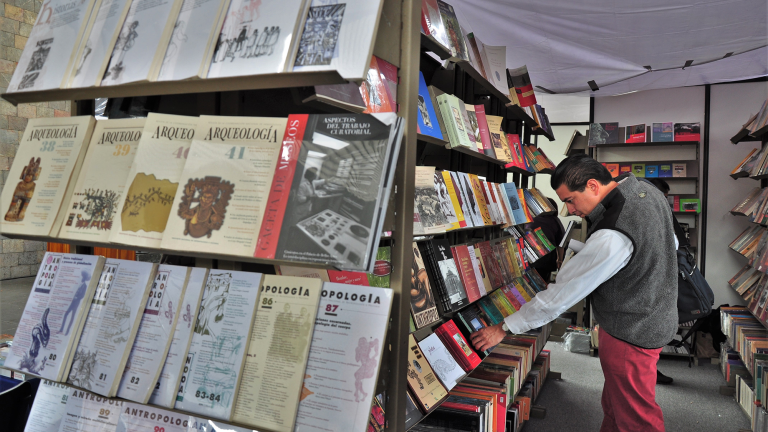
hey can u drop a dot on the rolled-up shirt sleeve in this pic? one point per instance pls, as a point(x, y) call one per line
point(604, 254)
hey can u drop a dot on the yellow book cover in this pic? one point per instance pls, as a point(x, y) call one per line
point(454, 199)
point(153, 180)
point(43, 174)
point(511, 249)
point(498, 137)
point(477, 188)
point(101, 184)
point(502, 303)
point(521, 290)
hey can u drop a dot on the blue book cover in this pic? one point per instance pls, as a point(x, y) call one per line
point(651, 171)
point(514, 201)
point(665, 170)
point(662, 132)
point(427, 119)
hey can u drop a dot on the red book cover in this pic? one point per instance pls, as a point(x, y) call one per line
point(499, 404)
point(520, 248)
point(634, 133)
point(517, 152)
point(511, 297)
point(676, 205)
point(460, 406)
point(459, 347)
point(485, 136)
point(532, 240)
point(687, 131)
point(389, 76)
point(348, 277)
point(266, 246)
point(491, 266)
point(374, 91)
point(466, 271)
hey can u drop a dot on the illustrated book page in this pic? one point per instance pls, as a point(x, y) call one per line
point(194, 34)
point(422, 379)
point(93, 55)
point(156, 329)
point(153, 180)
point(277, 353)
point(52, 319)
point(50, 49)
point(257, 37)
point(101, 183)
point(49, 407)
point(142, 42)
point(220, 343)
point(348, 343)
point(167, 386)
point(445, 366)
point(224, 187)
point(51, 152)
point(111, 326)
point(338, 36)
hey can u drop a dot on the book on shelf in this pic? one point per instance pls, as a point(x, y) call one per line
point(337, 219)
point(197, 33)
point(165, 390)
point(47, 163)
point(454, 195)
point(222, 194)
point(137, 418)
point(603, 133)
point(468, 126)
point(87, 412)
point(638, 170)
point(457, 345)
point(468, 195)
point(495, 131)
point(428, 392)
point(423, 307)
point(480, 198)
point(634, 133)
point(375, 92)
point(613, 169)
point(432, 22)
point(444, 276)
point(485, 136)
point(100, 185)
point(456, 42)
point(433, 219)
point(155, 334)
point(453, 119)
point(356, 319)
point(110, 329)
point(54, 315)
point(153, 180)
point(687, 131)
point(466, 270)
point(51, 46)
point(444, 201)
point(662, 132)
point(93, 52)
point(651, 171)
point(477, 54)
point(335, 37)
point(475, 127)
point(48, 408)
point(443, 363)
point(483, 285)
point(260, 38)
point(624, 168)
point(665, 170)
point(345, 96)
point(427, 117)
point(757, 125)
point(220, 342)
point(679, 169)
point(277, 353)
point(495, 63)
point(139, 50)
point(520, 87)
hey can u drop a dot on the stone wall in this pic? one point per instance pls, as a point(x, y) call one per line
point(18, 258)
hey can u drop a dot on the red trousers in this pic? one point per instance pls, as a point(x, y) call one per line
point(629, 393)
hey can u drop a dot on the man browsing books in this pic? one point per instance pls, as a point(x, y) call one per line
point(628, 267)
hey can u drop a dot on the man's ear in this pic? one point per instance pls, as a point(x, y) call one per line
point(593, 186)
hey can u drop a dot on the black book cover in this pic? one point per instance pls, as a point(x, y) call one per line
point(449, 274)
point(469, 321)
point(603, 133)
point(435, 281)
point(454, 420)
point(336, 191)
point(412, 412)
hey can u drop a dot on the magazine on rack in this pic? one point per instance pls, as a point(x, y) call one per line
point(101, 183)
point(47, 164)
point(331, 189)
point(110, 329)
point(49, 407)
point(156, 330)
point(53, 318)
point(224, 186)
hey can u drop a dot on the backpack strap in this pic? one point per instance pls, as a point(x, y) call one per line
point(688, 345)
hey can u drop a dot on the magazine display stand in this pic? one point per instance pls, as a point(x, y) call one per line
point(399, 41)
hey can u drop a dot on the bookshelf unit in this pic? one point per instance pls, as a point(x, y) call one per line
point(399, 41)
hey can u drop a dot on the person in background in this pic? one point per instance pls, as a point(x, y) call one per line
point(663, 186)
point(629, 270)
point(552, 228)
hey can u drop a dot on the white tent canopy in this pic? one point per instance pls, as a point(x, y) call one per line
point(565, 44)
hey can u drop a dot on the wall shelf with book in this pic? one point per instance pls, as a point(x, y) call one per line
point(755, 129)
point(649, 144)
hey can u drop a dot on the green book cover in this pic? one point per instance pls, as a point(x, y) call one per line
point(544, 239)
point(382, 268)
point(638, 170)
point(461, 127)
point(443, 104)
point(490, 309)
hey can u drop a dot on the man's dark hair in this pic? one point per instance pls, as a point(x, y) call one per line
point(575, 171)
point(660, 184)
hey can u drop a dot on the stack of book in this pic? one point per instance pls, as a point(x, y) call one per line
point(758, 123)
point(145, 333)
point(755, 164)
point(309, 188)
point(753, 206)
point(105, 44)
point(611, 133)
point(746, 243)
point(648, 170)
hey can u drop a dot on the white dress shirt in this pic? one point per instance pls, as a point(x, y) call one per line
point(604, 254)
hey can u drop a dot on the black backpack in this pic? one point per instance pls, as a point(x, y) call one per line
point(694, 296)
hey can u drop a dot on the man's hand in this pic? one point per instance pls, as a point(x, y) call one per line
point(488, 337)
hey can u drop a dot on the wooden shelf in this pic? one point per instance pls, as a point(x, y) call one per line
point(253, 82)
point(648, 144)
